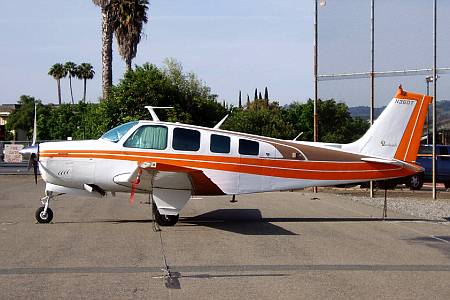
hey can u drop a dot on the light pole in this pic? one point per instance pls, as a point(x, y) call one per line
point(316, 120)
point(428, 80)
point(434, 93)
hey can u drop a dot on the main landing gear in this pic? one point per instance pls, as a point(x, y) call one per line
point(164, 220)
point(44, 214)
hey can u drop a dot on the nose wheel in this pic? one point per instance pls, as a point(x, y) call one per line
point(44, 214)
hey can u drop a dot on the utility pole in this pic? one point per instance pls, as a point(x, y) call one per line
point(316, 129)
point(372, 73)
point(434, 93)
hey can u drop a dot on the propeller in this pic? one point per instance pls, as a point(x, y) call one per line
point(32, 153)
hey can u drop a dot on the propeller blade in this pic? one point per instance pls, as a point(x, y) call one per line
point(35, 169)
point(30, 161)
point(33, 158)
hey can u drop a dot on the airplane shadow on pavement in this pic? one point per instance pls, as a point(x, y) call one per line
point(242, 221)
point(251, 221)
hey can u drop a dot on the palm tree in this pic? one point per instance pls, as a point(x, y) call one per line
point(58, 71)
point(71, 69)
point(107, 38)
point(128, 20)
point(85, 71)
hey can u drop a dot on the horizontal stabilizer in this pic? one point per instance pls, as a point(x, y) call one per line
point(383, 161)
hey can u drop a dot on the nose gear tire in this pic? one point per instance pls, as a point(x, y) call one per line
point(42, 217)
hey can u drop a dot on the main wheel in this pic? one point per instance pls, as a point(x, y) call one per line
point(416, 181)
point(42, 217)
point(165, 220)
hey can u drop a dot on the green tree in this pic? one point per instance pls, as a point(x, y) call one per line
point(23, 117)
point(79, 121)
point(195, 103)
point(335, 122)
point(240, 99)
point(145, 85)
point(71, 69)
point(261, 120)
point(85, 71)
point(107, 39)
point(57, 71)
point(191, 99)
point(129, 17)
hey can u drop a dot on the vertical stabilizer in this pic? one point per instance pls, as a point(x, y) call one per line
point(397, 131)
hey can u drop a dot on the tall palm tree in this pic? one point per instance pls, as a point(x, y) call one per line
point(129, 17)
point(71, 69)
point(107, 38)
point(85, 71)
point(58, 71)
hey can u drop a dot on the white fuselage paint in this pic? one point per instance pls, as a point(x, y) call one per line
point(115, 175)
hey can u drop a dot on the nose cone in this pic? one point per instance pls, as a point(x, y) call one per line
point(27, 151)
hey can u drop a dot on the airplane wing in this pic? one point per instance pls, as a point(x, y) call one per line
point(171, 186)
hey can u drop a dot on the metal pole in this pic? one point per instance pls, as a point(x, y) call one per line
point(428, 113)
point(315, 74)
point(434, 94)
point(372, 77)
point(315, 70)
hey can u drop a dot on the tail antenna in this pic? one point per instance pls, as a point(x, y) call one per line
point(400, 90)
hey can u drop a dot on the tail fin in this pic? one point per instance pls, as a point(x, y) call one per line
point(397, 131)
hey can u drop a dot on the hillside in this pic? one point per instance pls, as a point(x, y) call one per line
point(442, 109)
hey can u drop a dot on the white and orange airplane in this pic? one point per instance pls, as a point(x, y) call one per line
point(172, 161)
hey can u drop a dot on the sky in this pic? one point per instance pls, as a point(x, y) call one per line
point(231, 45)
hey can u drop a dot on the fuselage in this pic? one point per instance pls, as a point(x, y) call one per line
point(225, 162)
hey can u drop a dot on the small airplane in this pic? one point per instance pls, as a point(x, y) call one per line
point(172, 162)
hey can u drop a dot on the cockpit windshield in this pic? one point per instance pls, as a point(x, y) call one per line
point(115, 134)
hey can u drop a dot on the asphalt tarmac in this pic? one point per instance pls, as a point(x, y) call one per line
point(285, 245)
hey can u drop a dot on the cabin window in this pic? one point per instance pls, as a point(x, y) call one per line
point(219, 144)
point(186, 139)
point(115, 134)
point(148, 137)
point(247, 147)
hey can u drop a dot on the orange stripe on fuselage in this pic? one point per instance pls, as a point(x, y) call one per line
point(312, 170)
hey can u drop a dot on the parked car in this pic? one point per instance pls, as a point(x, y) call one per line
point(424, 159)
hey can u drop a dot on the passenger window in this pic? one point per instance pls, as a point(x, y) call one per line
point(219, 144)
point(186, 139)
point(148, 137)
point(247, 147)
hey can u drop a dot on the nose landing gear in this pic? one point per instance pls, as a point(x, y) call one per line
point(44, 214)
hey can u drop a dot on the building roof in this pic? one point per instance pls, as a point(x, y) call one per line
point(7, 108)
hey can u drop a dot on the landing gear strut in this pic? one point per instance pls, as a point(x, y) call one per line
point(44, 214)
